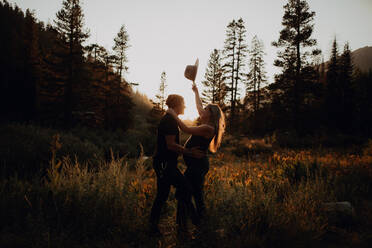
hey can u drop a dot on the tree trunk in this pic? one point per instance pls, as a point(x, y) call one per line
point(258, 89)
point(68, 88)
point(297, 84)
point(232, 107)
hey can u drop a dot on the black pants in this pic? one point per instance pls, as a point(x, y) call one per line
point(195, 175)
point(168, 174)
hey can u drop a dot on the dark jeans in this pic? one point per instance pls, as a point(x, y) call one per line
point(168, 174)
point(195, 175)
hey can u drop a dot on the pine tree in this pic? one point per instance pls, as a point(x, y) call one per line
point(241, 54)
point(96, 97)
point(214, 85)
point(121, 45)
point(296, 35)
point(235, 51)
point(322, 72)
point(160, 103)
point(94, 51)
point(109, 92)
point(33, 64)
point(109, 60)
point(345, 81)
point(230, 60)
point(69, 25)
point(257, 73)
point(35, 72)
point(332, 88)
point(333, 66)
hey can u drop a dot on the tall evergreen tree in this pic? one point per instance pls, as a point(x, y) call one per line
point(346, 89)
point(235, 50)
point(281, 90)
point(257, 73)
point(121, 45)
point(19, 63)
point(109, 60)
point(296, 35)
point(333, 66)
point(322, 72)
point(332, 88)
point(230, 60)
point(346, 75)
point(214, 84)
point(69, 25)
point(160, 104)
point(33, 65)
point(241, 54)
point(35, 72)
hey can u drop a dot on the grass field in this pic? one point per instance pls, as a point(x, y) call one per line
point(262, 199)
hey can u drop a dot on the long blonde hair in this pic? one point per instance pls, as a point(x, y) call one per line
point(217, 120)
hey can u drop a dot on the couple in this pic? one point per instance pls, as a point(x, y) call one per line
point(190, 184)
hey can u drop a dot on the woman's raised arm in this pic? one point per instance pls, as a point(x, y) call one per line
point(198, 102)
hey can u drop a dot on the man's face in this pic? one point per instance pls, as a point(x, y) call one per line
point(180, 109)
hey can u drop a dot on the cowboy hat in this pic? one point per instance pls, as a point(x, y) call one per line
point(191, 70)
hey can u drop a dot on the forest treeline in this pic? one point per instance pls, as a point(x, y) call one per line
point(311, 95)
point(48, 76)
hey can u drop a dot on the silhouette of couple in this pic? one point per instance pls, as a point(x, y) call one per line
point(190, 184)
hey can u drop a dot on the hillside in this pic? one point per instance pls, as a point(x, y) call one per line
point(362, 58)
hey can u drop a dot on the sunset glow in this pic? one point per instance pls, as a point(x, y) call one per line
point(168, 35)
point(91, 156)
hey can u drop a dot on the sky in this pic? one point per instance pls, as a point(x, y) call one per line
point(167, 35)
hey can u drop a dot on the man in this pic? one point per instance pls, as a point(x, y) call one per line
point(165, 166)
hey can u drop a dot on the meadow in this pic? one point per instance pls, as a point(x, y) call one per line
point(266, 196)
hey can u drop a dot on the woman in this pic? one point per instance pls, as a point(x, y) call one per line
point(207, 135)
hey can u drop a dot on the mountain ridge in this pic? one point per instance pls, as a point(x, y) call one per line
point(362, 58)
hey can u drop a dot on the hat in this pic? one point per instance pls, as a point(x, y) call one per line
point(191, 70)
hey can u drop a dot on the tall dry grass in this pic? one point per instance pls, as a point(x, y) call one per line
point(266, 201)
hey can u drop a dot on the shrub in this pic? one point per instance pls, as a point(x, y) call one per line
point(75, 203)
point(26, 149)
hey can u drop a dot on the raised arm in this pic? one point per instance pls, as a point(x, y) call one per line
point(198, 102)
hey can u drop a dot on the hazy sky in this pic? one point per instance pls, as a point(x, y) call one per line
point(166, 35)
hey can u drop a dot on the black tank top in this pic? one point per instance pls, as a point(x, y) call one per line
point(199, 141)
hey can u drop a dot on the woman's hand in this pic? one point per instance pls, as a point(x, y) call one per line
point(171, 112)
